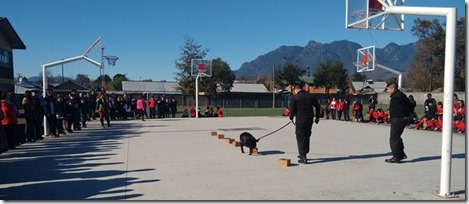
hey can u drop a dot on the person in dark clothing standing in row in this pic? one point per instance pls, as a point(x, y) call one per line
point(302, 108)
point(51, 113)
point(174, 106)
point(400, 108)
point(346, 109)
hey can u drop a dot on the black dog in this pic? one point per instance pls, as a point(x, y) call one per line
point(246, 139)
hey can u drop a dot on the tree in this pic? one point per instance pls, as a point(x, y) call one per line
point(289, 74)
point(118, 76)
point(117, 80)
point(98, 81)
point(330, 74)
point(222, 77)
point(83, 80)
point(190, 50)
point(427, 69)
point(267, 81)
point(358, 76)
point(460, 75)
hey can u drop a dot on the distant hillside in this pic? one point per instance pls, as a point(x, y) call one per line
point(36, 79)
point(394, 56)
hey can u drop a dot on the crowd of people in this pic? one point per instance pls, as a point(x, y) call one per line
point(339, 109)
point(67, 113)
point(433, 116)
point(209, 112)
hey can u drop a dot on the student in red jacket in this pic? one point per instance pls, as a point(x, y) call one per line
point(439, 109)
point(379, 116)
point(340, 109)
point(219, 112)
point(9, 120)
point(286, 112)
point(459, 112)
point(438, 123)
point(459, 126)
point(192, 112)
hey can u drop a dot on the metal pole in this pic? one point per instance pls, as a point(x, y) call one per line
point(392, 71)
point(446, 151)
point(399, 80)
point(62, 72)
point(467, 60)
point(273, 86)
point(197, 95)
point(44, 87)
point(450, 50)
point(102, 67)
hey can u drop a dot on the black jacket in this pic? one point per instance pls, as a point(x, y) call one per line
point(400, 106)
point(301, 105)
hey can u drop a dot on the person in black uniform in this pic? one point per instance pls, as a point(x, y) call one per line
point(302, 108)
point(399, 110)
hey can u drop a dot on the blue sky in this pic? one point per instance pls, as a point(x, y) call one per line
point(147, 34)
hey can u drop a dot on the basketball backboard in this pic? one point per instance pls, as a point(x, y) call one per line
point(201, 67)
point(366, 60)
point(372, 14)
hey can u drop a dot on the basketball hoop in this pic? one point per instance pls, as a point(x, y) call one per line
point(361, 67)
point(111, 60)
point(202, 68)
point(359, 15)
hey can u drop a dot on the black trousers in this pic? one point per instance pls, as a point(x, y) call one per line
point(303, 134)
point(395, 140)
point(10, 134)
point(52, 124)
point(346, 115)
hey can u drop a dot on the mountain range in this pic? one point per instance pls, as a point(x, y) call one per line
point(397, 57)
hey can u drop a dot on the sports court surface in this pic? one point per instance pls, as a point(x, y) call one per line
point(178, 159)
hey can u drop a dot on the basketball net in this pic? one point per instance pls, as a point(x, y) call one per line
point(111, 60)
point(360, 66)
point(359, 15)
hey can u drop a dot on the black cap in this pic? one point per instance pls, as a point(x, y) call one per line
point(389, 84)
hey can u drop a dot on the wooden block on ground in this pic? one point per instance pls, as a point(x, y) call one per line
point(220, 136)
point(214, 133)
point(228, 140)
point(235, 144)
point(283, 162)
point(255, 151)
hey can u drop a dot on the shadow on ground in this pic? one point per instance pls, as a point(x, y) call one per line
point(64, 168)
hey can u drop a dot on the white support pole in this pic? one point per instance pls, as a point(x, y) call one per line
point(446, 151)
point(399, 80)
point(197, 96)
point(450, 51)
point(96, 43)
point(103, 83)
point(467, 60)
point(44, 87)
point(392, 71)
point(44, 78)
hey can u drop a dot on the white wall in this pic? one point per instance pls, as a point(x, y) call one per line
point(419, 96)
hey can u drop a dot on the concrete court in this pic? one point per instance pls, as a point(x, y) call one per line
point(178, 159)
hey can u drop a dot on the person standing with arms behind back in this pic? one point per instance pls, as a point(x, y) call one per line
point(302, 108)
point(102, 107)
point(400, 109)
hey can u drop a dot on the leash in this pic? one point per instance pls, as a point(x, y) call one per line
point(274, 131)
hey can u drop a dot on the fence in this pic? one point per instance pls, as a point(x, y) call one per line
point(280, 102)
